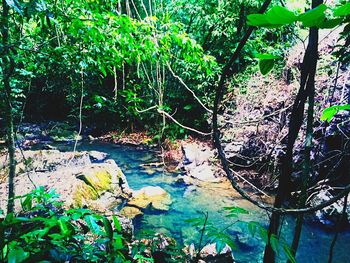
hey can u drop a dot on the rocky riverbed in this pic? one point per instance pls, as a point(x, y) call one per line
point(91, 180)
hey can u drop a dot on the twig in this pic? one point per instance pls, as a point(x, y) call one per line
point(191, 91)
point(252, 185)
point(181, 125)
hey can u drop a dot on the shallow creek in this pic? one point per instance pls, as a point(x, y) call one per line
point(188, 201)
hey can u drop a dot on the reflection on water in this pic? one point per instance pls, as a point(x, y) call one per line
point(188, 201)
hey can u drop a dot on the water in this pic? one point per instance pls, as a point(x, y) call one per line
point(189, 201)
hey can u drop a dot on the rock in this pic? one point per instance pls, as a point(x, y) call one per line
point(204, 173)
point(79, 183)
point(91, 138)
point(210, 255)
point(196, 154)
point(198, 163)
point(96, 156)
point(130, 212)
point(153, 196)
point(99, 179)
point(184, 180)
point(329, 215)
point(192, 251)
point(233, 148)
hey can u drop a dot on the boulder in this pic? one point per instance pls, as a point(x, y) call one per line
point(233, 148)
point(130, 212)
point(151, 196)
point(96, 156)
point(329, 215)
point(184, 180)
point(99, 180)
point(80, 183)
point(49, 160)
point(209, 254)
point(196, 154)
point(204, 173)
point(198, 164)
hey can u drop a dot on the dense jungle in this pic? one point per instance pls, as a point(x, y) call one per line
point(198, 131)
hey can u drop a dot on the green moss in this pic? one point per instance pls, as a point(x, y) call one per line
point(94, 184)
point(83, 194)
point(100, 180)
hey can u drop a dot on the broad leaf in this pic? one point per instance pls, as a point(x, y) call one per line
point(91, 221)
point(266, 65)
point(330, 23)
point(288, 253)
point(257, 20)
point(330, 112)
point(279, 15)
point(266, 62)
point(343, 10)
point(117, 225)
point(274, 242)
point(118, 242)
point(17, 255)
point(314, 16)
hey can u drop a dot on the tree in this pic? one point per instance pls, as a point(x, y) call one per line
point(8, 65)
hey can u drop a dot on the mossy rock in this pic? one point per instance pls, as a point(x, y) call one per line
point(151, 196)
point(97, 180)
point(130, 212)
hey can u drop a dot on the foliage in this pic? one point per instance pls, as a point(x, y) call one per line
point(116, 62)
point(221, 237)
point(279, 16)
point(45, 231)
point(329, 113)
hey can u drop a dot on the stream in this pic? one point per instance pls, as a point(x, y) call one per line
point(190, 201)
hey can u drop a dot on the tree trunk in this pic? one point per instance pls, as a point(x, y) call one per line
point(8, 67)
point(307, 83)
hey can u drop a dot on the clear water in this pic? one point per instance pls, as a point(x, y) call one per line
point(188, 201)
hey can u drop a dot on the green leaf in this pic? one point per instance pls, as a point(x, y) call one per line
point(27, 203)
point(266, 65)
point(236, 210)
point(108, 228)
point(330, 23)
point(266, 56)
point(17, 255)
point(288, 253)
point(103, 71)
point(266, 62)
point(274, 242)
point(91, 221)
point(117, 225)
point(343, 10)
point(118, 242)
point(262, 233)
point(219, 246)
point(277, 16)
point(314, 16)
point(64, 227)
point(257, 20)
point(280, 16)
point(329, 113)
